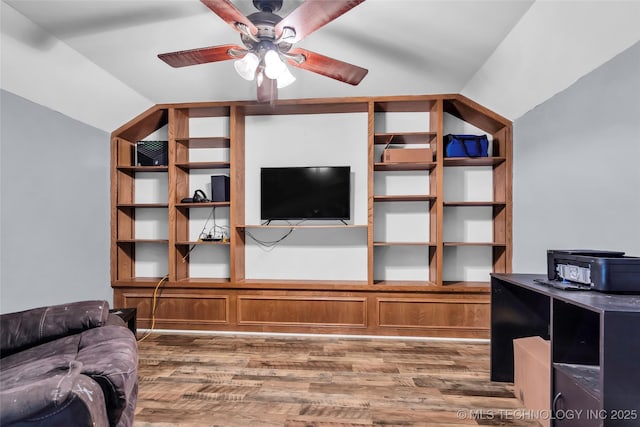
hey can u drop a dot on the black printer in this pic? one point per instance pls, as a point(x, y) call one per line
point(604, 271)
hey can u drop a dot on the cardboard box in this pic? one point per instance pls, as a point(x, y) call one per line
point(407, 155)
point(532, 376)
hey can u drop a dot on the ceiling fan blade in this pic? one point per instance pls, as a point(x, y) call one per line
point(313, 14)
point(329, 67)
point(199, 56)
point(230, 14)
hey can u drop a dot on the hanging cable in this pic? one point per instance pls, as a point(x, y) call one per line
point(154, 307)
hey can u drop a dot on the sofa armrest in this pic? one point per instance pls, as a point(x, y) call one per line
point(28, 328)
point(66, 398)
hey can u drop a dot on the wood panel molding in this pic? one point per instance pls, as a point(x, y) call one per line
point(302, 310)
point(180, 308)
point(442, 313)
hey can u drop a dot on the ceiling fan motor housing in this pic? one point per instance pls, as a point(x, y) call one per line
point(268, 5)
point(265, 22)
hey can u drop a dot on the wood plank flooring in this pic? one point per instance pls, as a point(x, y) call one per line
point(258, 380)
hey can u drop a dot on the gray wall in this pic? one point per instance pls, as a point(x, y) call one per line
point(577, 167)
point(54, 208)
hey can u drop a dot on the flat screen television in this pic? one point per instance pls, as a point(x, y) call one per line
point(301, 193)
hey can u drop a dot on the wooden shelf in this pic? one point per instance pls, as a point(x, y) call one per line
point(388, 166)
point(143, 168)
point(161, 241)
point(142, 205)
point(302, 284)
point(496, 204)
point(473, 244)
point(205, 281)
point(202, 242)
point(479, 161)
point(299, 226)
point(138, 282)
point(404, 244)
point(388, 286)
point(203, 205)
point(404, 198)
point(204, 165)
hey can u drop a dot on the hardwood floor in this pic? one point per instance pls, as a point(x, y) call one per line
point(257, 380)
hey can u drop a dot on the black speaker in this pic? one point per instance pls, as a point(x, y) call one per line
point(152, 153)
point(220, 188)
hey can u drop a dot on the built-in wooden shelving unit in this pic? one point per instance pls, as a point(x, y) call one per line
point(431, 305)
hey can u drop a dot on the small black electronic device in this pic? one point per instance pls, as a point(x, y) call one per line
point(305, 193)
point(152, 153)
point(220, 188)
point(198, 197)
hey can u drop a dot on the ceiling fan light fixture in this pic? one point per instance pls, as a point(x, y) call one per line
point(285, 79)
point(273, 65)
point(246, 67)
point(259, 78)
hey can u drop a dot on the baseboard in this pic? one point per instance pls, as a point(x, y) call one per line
point(300, 335)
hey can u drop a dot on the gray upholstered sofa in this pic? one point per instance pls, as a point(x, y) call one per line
point(67, 365)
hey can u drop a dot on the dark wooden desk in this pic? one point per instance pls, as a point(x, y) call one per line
point(595, 346)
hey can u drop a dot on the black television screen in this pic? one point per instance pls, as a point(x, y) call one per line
point(296, 193)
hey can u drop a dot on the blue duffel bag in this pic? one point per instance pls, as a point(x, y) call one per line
point(466, 145)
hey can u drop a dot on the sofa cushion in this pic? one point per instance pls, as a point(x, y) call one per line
point(39, 362)
point(32, 327)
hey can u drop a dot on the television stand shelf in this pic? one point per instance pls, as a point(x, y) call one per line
point(300, 226)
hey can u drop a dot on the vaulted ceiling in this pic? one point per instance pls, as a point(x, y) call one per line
point(59, 52)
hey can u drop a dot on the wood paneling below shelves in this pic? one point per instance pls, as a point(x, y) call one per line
point(299, 310)
point(178, 309)
point(376, 312)
point(438, 313)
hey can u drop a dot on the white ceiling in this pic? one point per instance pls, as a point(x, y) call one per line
point(408, 46)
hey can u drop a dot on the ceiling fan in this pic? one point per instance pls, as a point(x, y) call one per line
point(268, 41)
